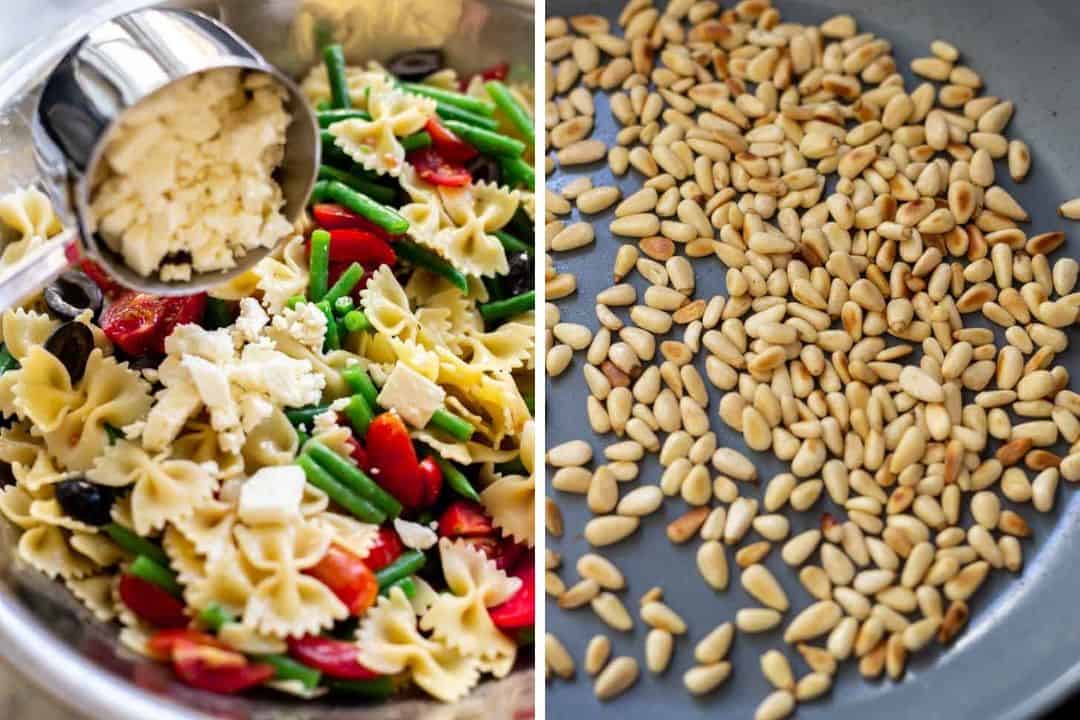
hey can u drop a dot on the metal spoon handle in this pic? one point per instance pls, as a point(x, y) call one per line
point(39, 268)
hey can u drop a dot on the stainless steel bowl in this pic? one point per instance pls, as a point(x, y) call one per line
point(44, 633)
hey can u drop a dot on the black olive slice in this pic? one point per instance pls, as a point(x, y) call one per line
point(72, 344)
point(85, 501)
point(519, 279)
point(71, 294)
point(416, 64)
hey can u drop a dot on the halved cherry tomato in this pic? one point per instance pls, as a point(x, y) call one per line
point(394, 464)
point(386, 550)
point(463, 518)
point(504, 553)
point(151, 603)
point(349, 245)
point(449, 145)
point(335, 217)
point(162, 643)
point(139, 323)
point(205, 667)
point(335, 658)
point(438, 170)
point(348, 577)
point(431, 478)
point(520, 610)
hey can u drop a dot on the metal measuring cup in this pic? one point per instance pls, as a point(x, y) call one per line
point(112, 69)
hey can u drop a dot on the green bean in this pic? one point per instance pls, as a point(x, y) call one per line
point(360, 382)
point(213, 616)
point(305, 415)
point(456, 479)
point(153, 572)
point(323, 105)
point(357, 321)
point(416, 141)
point(425, 258)
point(344, 305)
point(331, 340)
point(329, 117)
point(285, 668)
point(377, 192)
point(449, 97)
point(353, 478)
point(301, 438)
point(530, 402)
point(345, 283)
point(334, 155)
point(406, 584)
point(360, 414)
point(7, 361)
point(507, 308)
point(451, 424)
point(521, 225)
point(452, 112)
point(513, 110)
point(319, 265)
point(378, 689)
point(336, 491)
point(512, 244)
point(406, 564)
point(294, 301)
point(487, 141)
point(334, 57)
point(135, 544)
point(219, 314)
point(517, 173)
point(383, 216)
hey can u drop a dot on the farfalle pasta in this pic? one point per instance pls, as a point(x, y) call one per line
point(322, 458)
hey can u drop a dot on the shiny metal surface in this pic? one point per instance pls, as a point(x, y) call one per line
point(44, 633)
point(113, 68)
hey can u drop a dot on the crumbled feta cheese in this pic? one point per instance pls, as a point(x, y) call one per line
point(306, 323)
point(413, 396)
point(325, 422)
point(414, 535)
point(252, 319)
point(190, 172)
point(272, 495)
point(238, 387)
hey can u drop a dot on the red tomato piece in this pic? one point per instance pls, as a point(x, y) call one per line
point(349, 245)
point(449, 145)
point(334, 658)
point(438, 170)
point(385, 551)
point(463, 518)
point(431, 478)
point(348, 577)
point(520, 610)
point(335, 217)
point(216, 670)
point(180, 310)
point(139, 323)
point(394, 464)
point(162, 643)
point(95, 272)
point(151, 603)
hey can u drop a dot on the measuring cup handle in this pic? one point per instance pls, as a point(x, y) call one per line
point(36, 270)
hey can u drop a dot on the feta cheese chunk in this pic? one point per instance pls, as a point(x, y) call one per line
point(413, 396)
point(272, 495)
point(252, 319)
point(306, 323)
point(414, 535)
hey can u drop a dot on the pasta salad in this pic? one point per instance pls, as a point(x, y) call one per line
point(318, 477)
